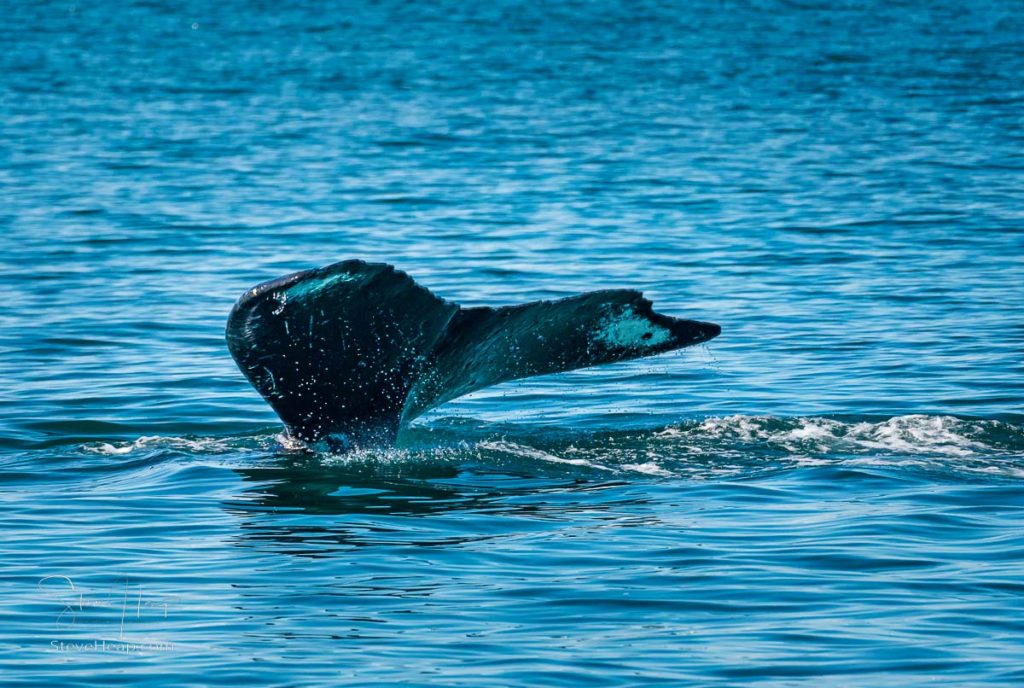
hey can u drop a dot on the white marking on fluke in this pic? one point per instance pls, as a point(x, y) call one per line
point(630, 330)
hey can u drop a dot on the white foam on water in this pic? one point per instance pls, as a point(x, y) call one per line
point(205, 445)
point(711, 448)
point(649, 468)
point(907, 434)
point(911, 434)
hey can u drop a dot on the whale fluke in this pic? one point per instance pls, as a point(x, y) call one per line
point(347, 353)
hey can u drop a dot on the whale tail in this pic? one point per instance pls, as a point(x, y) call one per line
point(347, 353)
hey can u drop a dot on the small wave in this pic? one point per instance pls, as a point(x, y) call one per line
point(526, 452)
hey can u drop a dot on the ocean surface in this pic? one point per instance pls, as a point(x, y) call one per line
point(830, 493)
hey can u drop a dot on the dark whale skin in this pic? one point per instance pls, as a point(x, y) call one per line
point(347, 353)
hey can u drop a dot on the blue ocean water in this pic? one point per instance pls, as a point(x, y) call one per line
point(830, 493)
